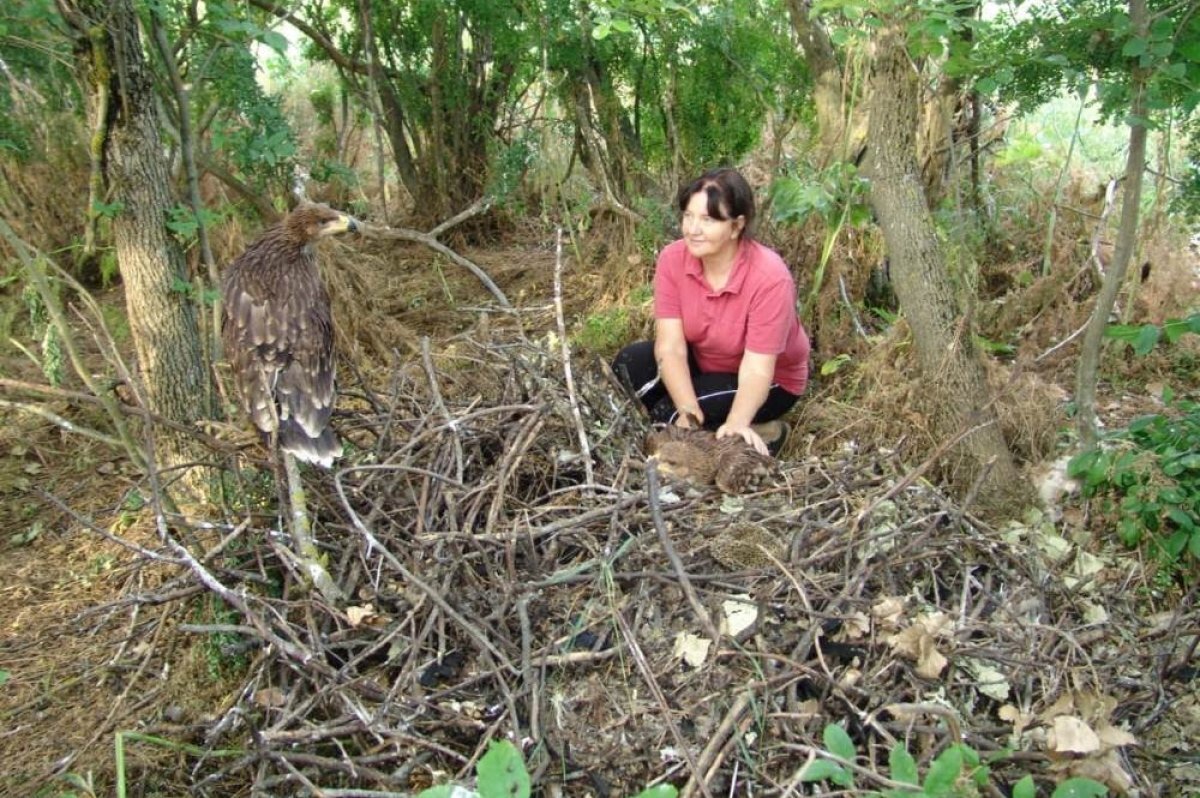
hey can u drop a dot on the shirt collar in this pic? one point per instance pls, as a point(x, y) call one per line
point(741, 267)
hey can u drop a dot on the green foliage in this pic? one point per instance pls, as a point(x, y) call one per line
point(223, 652)
point(833, 193)
point(251, 129)
point(52, 361)
point(184, 223)
point(1145, 337)
point(1149, 477)
point(735, 66)
point(606, 331)
point(957, 772)
point(38, 85)
point(501, 773)
point(835, 364)
point(1149, 474)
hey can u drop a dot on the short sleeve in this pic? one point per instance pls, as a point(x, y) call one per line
point(772, 312)
point(667, 274)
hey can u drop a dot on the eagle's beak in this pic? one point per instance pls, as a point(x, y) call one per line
point(352, 224)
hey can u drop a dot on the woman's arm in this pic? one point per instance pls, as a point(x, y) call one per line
point(670, 352)
point(754, 383)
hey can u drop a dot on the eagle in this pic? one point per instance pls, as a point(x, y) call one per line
point(699, 457)
point(277, 330)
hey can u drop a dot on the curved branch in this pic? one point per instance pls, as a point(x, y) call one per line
point(429, 240)
point(318, 38)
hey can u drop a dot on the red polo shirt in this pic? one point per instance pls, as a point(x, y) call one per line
point(756, 311)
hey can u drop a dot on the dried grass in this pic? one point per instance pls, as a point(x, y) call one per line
point(496, 592)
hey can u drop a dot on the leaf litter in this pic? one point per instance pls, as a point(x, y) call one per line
point(497, 592)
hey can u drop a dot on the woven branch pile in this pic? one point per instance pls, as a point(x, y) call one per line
point(514, 571)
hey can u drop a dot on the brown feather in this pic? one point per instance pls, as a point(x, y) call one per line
point(699, 457)
point(277, 329)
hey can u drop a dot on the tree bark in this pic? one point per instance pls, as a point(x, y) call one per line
point(1089, 355)
point(162, 320)
point(841, 123)
point(949, 363)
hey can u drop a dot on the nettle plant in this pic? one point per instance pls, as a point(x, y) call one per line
point(1148, 475)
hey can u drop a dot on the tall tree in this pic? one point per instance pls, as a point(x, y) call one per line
point(162, 320)
point(1089, 355)
point(949, 362)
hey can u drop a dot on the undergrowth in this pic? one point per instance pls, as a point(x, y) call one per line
point(1147, 475)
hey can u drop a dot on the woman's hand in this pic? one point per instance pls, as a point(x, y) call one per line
point(747, 434)
point(690, 417)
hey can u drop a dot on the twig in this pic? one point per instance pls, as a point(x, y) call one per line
point(652, 489)
point(59, 421)
point(708, 758)
point(585, 450)
point(648, 676)
point(406, 234)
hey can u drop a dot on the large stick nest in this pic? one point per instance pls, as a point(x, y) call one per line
point(513, 574)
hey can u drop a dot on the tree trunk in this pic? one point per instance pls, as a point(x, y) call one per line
point(949, 363)
point(161, 319)
point(1114, 276)
point(841, 123)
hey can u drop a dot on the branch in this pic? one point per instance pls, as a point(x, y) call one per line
point(428, 239)
point(318, 38)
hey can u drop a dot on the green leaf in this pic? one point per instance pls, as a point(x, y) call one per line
point(1194, 545)
point(502, 772)
point(1182, 518)
point(276, 41)
point(1146, 339)
point(903, 766)
point(1025, 788)
point(944, 772)
point(1080, 788)
point(659, 791)
point(4, 676)
point(838, 742)
point(1176, 543)
point(1133, 48)
point(822, 769)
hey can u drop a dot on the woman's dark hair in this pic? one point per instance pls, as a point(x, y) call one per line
point(729, 196)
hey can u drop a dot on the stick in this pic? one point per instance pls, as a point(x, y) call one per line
point(585, 450)
point(676, 563)
point(301, 526)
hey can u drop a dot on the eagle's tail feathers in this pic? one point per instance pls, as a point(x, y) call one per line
point(320, 450)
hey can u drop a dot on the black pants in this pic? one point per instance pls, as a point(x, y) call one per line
point(635, 365)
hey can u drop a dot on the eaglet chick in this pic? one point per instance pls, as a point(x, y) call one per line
point(699, 457)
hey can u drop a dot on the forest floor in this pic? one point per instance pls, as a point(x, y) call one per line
point(511, 572)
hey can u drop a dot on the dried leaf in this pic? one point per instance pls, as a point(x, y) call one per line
point(738, 615)
point(359, 615)
point(989, 680)
point(916, 643)
point(888, 612)
point(270, 697)
point(855, 626)
point(692, 649)
point(1071, 735)
point(1113, 737)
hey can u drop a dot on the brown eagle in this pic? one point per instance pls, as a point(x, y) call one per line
point(277, 329)
point(699, 457)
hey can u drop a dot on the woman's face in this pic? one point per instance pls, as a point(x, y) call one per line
point(705, 236)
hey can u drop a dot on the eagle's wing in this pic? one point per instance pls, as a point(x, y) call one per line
point(305, 389)
point(279, 340)
point(254, 341)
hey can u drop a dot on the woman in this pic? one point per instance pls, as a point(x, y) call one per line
point(729, 352)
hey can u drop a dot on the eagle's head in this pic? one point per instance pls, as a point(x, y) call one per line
point(310, 221)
